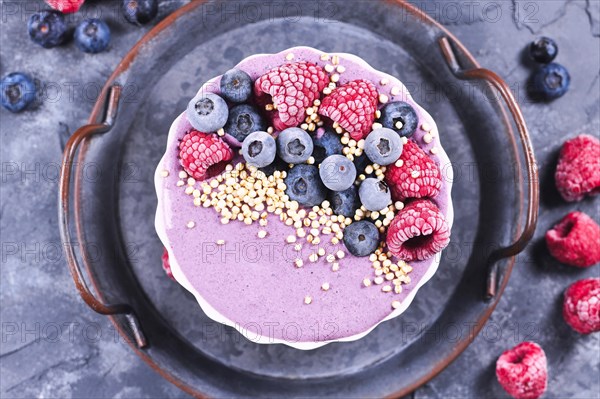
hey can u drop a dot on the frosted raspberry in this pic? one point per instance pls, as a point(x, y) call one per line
point(352, 106)
point(578, 170)
point(418, 232)
point(292, 88)
point(418, 176)
point(581, 308)
point(522, 371)
point(166, 265)
point(203, 155)
point(65, 6)
point(575, 240)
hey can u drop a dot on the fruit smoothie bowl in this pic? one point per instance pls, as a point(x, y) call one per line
point(301, 198)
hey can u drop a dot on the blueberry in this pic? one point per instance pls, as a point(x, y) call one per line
point(259, 149)
point(401, 117)
point(17, 91)
point(361, 162)
point(244, 119)
point(236, 86)
point(374, 194)
point(304, 185)
point(277, 164)
point(140, 12)
point(543, 50)
point(325, 144)
point(92, 36)
point(294, 145)
point(383, 146)
point(47, 28)
point(207, 112)
point(337, 172)
point(345, 202)
point(551, 81)
point(361, 238)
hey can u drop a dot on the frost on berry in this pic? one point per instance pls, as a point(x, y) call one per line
point(418, 232)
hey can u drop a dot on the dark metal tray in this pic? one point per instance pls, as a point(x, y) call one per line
point(108, 201)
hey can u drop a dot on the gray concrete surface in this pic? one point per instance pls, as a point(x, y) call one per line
point(53, 346)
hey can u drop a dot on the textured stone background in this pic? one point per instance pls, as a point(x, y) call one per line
point(53, 346)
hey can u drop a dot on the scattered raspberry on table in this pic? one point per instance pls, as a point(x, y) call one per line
point(578, 170)
point(66, 6)
point(581, 308)
point(522, 371)
point(575, 240)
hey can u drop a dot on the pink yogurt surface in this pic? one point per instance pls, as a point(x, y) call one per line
point(252, 284)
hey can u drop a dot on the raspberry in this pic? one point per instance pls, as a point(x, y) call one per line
point(575, 240)
point(581, 309)
point(418, 232)
point(353, 107)
point(203, 155)
point(292, 88)
point(165, 264)
point(65, 6)
point(416, 177)
point(522, 371)
point(578, 170)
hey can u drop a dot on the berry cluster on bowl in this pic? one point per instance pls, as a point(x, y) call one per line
point(312, 144)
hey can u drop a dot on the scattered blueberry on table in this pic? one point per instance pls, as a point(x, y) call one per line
point(543, 50)
point(92, 36)
point(140, 12)
point(18, 91)
point(48, 28)
point(551, 81)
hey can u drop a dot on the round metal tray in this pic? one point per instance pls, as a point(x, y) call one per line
point(110, 206)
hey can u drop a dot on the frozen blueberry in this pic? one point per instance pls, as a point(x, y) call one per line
point(294, 145)
point(374, 194)
point(543, 50)
point(207, 112)
point(244, 119)
point(47, 28)
point(551, 81)
point(92, 36)
point(236, 86)
point(337, 172)
point(326, 143)
point(277, 164)
point(17, 91)
point(401, 117)
point(361, 162)
point(304, 185)
point(259, 149)
point(383, 146)
point(345, 202)
point(361, 238)
point(140, 12)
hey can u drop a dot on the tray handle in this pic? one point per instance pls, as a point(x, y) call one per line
point(532, 172)
point(75, 140)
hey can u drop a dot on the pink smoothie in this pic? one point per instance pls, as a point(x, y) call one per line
point(252, 284)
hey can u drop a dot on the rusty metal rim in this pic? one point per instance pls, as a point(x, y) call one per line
point(82, 136)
